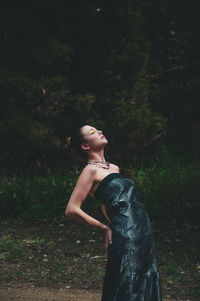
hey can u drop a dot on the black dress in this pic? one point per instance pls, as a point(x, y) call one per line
point(132, 271)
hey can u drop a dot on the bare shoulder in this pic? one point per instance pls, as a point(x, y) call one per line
point(114, 167)
point(88, 173)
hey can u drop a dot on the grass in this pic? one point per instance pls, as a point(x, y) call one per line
point(10, 248)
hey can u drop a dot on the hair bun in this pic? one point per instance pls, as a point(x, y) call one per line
point(68, 141)
point(73, 144)
point(67, 144)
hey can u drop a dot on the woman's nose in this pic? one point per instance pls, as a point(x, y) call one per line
point(99, 131)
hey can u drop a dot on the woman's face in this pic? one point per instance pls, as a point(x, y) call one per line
point(93, 138)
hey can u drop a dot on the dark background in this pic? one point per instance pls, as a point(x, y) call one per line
point(130, 68)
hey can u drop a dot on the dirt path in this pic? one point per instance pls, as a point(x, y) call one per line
point(48, 294)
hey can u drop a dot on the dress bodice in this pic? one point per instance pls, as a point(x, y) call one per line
point(124, 206)
point(113, 184)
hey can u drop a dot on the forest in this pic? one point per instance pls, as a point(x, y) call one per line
point(130, 68)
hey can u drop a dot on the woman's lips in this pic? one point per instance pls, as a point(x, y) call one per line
point(103, 137)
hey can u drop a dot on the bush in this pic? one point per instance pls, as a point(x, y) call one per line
point(37, 196)
point(171, 188)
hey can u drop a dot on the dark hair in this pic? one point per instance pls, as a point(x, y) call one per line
point(73, 143)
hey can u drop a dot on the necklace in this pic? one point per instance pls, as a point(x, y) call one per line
point(100, 164)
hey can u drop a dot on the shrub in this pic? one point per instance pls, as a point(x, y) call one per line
point(34, 197)
point(171, 188)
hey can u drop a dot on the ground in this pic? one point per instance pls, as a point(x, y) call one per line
point(58, 259)
point(47, 294)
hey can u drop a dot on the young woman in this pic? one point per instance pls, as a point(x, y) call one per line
point(131, 272)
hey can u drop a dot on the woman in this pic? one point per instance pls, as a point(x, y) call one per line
point(131, 272)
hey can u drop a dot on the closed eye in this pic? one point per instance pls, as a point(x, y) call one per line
point(91, 132)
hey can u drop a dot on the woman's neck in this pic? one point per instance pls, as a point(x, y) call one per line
point(96, 157)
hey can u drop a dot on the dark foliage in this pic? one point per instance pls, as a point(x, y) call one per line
point(130, 68)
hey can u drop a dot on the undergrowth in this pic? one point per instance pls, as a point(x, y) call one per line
point(170, 188)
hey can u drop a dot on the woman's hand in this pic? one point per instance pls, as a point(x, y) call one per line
point(108, 237)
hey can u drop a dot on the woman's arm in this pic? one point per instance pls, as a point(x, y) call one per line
point(80, 192)
point(103, 208)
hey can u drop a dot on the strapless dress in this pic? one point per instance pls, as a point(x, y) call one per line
point(132, 272)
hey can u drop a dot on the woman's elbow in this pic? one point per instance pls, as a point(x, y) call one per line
point(70, 213)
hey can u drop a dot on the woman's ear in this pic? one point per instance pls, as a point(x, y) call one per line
point(85, 147)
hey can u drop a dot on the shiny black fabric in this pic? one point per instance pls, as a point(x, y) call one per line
point(131, 272)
